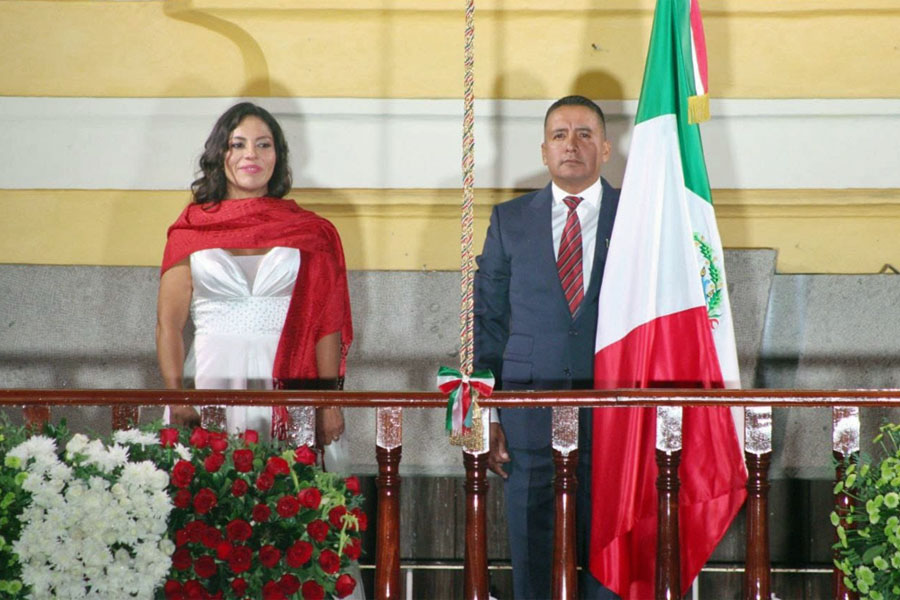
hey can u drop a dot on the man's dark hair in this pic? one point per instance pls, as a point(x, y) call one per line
point(577, 101)
point(212, 184)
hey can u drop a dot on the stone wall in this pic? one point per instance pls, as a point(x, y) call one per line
point(93, 327)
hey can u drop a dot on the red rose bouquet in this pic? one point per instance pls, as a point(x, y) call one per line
point(251, 521)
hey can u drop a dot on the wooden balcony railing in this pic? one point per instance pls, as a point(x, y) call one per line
point(758, 449)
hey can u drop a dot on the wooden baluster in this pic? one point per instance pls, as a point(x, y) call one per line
point(845, 443)
point(668, 560)
point(564, 582)
point(387, 544)
point(213, 417)
point(842, 502)
point(36, 417)
point(758, 454)
point(756, 573)
point(475, 575)
point(668, 456)
point(124, 416)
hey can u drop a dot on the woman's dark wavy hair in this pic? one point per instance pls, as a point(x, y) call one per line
point(212, 186)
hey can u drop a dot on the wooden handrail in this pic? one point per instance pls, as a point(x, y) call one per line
point(581, 398)
point(125, 403)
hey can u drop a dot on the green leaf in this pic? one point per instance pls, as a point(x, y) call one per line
point(870, 553)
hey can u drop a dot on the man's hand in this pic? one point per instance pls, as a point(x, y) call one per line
point(498, 455)
point(329, 424)
point(184, 416)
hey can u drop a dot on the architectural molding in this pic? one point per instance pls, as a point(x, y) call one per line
point(814, 230)
point(154, 143)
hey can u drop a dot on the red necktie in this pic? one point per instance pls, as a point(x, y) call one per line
point(571, 273)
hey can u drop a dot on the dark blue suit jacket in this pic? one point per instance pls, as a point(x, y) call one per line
point(524, 332)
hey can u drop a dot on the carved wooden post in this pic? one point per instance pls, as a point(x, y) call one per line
point(124, 416)
point(668, 456)
point(302, 431)
point(388, 440)
point(475, 575)
point(213, 417)
point(758, 453)
point(36, 417)
point(845, 444)
point(564, 584)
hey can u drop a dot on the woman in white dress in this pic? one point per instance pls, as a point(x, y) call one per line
point(263, 280)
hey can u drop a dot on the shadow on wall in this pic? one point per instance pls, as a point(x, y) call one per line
point(256, 67)
point(607, 91)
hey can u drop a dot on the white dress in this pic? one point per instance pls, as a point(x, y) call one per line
point(238, 307)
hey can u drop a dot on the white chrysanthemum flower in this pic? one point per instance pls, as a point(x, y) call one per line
point(167, 546)
point(158, 479)
point(144, 475)
point(106, 459)
point(93, 447)
point(75, 490)
point(113, 527)
point(61, 472)
point(77, 445)
point(98, 484)
point(136, 437)
point(118, 491)
point(33, 447)
point(33, 483)
point(119, 453)
point(183, 451)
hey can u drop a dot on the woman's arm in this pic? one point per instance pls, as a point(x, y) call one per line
point(329, 420)
point(172, 308)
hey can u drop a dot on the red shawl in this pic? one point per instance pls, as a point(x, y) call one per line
point(320, 304)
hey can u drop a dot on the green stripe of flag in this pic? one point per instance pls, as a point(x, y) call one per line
point(669, 82)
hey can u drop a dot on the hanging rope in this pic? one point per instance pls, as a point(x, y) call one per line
point(467, 279)
point(464, 418)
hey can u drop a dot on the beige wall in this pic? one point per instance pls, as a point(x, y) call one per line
point(393, 49)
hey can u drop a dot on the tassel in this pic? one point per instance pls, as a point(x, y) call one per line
point(698, 109)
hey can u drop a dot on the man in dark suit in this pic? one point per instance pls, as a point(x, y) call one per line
point(536, 293)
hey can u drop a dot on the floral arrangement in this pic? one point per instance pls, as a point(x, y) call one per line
point(172, 514)
point(13, 500)
point(252, 522)
point(869, 534)
point(96, 523)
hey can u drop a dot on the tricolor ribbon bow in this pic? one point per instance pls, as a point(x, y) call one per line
point(460, 387)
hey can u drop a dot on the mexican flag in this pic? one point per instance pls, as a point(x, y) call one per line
point(664, 321)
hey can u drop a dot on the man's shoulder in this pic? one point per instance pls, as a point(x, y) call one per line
point(609, 191)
